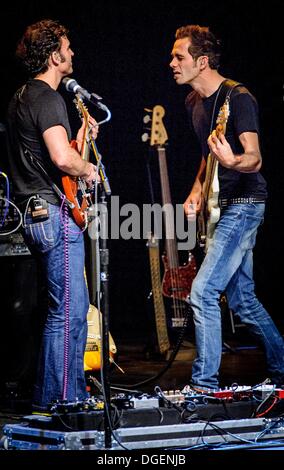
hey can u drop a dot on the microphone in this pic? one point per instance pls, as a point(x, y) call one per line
point(73, 86)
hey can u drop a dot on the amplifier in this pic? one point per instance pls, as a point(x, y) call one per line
point(11, 239)
point(13, 245)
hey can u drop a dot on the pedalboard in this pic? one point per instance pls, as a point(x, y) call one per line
point(13, 245)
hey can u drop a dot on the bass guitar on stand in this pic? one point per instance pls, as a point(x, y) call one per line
point(177, 280)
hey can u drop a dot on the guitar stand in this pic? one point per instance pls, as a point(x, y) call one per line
point(233, 328)
point(226, 345)
point(95, 382)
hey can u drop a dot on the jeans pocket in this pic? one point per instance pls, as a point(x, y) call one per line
point(40, 235)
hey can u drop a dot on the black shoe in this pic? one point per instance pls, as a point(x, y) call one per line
point(40, 410)
point(278, 381)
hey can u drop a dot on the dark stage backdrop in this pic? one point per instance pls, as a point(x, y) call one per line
point(122, 50)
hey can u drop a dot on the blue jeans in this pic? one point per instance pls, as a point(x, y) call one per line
point(61, 362)
point(228, 267)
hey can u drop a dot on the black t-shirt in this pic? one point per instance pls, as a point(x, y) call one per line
point(34, 109)
point(243, 117)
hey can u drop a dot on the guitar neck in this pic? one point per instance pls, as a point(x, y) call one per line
point(160, 313)
point(83, 112)
point(212, 162)
point(168, 211)
point(166, 194)
point(210, 172)
point(85, 150)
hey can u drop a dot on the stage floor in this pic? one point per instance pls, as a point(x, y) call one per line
point(242, 363)
point(144, 370)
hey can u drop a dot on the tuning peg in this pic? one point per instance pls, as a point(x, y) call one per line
point(146, 119)
point(145, 137)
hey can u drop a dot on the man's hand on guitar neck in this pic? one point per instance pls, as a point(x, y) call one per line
point(249, 161)
point(221, 149)
point(92, 131)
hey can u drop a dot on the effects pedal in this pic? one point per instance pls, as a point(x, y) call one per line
point(65, 407)
point(125, 401)
point(241, 392)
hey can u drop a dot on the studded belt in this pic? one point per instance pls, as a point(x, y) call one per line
point(241, 200)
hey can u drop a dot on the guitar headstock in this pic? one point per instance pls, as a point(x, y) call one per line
point(81, 107)
point(84, 115)
point(222, 118)
point(159, 134)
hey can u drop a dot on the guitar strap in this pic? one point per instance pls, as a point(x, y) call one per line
point(224, 92)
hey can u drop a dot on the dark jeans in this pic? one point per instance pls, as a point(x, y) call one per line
point(61, 368)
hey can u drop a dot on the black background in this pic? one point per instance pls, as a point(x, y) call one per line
point(122, 51)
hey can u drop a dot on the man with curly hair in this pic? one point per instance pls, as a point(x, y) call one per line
point(38, 127)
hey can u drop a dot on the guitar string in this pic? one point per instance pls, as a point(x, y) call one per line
point(211, 129)
point(172, 251)
point(165, 196)
point(173, 255)
point(227, 100)
point(214, 161)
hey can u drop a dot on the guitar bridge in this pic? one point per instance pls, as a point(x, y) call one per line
point(178, 322)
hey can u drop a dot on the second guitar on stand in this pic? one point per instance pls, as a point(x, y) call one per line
point(177, 280)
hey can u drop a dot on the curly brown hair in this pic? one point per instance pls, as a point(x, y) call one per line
point(203, 42)
point(38, 42)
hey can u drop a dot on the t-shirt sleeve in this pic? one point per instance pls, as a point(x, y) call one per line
point(51, 111)
point(245, 113)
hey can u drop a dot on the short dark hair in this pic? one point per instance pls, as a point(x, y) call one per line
point(38, 42)
point(203, 42)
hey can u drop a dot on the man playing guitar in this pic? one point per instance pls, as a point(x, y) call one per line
point(39, 131)
point(227, 266)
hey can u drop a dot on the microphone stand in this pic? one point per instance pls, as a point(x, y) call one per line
point(102, 279)
point(104, 252)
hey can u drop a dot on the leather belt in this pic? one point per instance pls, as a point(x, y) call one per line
point(241, 200)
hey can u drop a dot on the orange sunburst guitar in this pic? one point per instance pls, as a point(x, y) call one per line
point(75, 188)
point(177, 280)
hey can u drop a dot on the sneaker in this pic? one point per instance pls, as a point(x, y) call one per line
point(278, 381)
point(197, 389)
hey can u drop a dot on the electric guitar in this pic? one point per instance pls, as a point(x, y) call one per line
point(177, 280)
point(210, 210)
point(92, 356)
point(159, 307)
point(93, 349)
point(75, 188)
